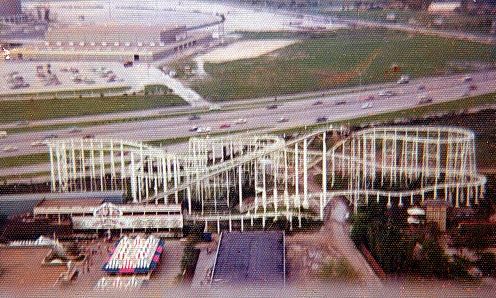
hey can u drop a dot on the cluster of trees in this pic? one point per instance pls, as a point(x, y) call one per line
point(190, 252)
point(400, 249)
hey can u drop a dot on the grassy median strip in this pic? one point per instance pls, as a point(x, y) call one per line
point(55, 94)
point(30, 110)
point(22, 160)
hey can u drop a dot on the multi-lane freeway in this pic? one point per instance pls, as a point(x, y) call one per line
point(298, 113)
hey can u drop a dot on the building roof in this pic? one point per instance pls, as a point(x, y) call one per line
point(30, 229)
point(250, 258)
point(436, 203)
point(69, 203)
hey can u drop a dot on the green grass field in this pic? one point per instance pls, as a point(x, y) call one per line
point(18, 110)
point(75, 93)
point(22, 160)
point(341, 59)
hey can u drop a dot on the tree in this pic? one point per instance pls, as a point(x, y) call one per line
point(435, 261)
point(487, 263)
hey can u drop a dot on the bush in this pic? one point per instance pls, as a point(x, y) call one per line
point(487, 263)
point(190, 254)
point(339, 270)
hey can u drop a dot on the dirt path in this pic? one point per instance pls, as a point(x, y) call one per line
point(331, 241)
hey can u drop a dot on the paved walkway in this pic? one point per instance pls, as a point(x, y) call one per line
point(186, 93)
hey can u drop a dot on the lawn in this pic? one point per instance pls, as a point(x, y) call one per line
point(18, 110)
point(341, 59)
point(22, 160)
point(66, 93)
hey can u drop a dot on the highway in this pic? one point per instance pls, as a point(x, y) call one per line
point(298, 112)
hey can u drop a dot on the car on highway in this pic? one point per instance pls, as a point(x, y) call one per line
point(3, 134)
point(467, 79)
point(321, 119)
point(367, 105)
point(51, 136)
point(386, 93)
point(214, 108)
point(271, 107)
point(283, 119)
point(370, 97)
point(75, 129)
point(340, 102)
point(194, 117)
point(225, 125)
point(425, 99)
point(193, 128)
point(89, 136)
point(9, 148)
point(421, 88)
point(241, 121)
point(472, 87)
point(318, 103)
point(38, 143)
point(404, 79)
point(203, 129)
point(22, 123)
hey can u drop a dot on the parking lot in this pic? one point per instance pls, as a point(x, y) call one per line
point(42, 77)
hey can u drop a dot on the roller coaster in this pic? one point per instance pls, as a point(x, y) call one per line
point(247, 177)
